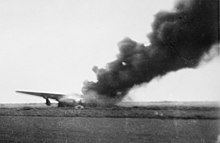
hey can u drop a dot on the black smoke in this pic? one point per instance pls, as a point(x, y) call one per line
point(179, 40)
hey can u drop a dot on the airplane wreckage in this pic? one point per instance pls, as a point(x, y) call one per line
point(64, 100)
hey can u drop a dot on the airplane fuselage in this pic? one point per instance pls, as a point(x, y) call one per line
point(63, 100)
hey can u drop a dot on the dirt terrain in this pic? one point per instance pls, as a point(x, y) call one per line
point(153, 124)
point(161, 111)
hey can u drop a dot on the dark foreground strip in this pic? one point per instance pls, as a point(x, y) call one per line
point(147, 117)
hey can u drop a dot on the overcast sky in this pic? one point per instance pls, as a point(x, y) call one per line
point(52, 45)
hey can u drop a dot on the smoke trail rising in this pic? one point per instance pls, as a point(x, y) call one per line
point(179, 39)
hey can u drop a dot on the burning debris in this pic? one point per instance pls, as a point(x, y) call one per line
point(179, 39)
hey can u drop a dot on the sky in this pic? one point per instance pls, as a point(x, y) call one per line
point(52, 45)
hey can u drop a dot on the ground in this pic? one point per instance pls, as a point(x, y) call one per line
point(153, 124)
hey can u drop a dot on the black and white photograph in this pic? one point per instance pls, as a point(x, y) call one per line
point(109, 71)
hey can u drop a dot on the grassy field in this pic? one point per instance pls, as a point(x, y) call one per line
point(109, 130)
point(157, 111)
point(125, 124)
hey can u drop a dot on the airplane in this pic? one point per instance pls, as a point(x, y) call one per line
point(74, 100)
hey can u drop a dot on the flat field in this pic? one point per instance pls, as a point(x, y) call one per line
point(145, 124)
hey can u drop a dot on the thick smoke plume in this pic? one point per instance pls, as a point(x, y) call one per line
point(179, 39)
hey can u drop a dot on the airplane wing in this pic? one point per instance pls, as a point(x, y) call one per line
point(44, 95)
